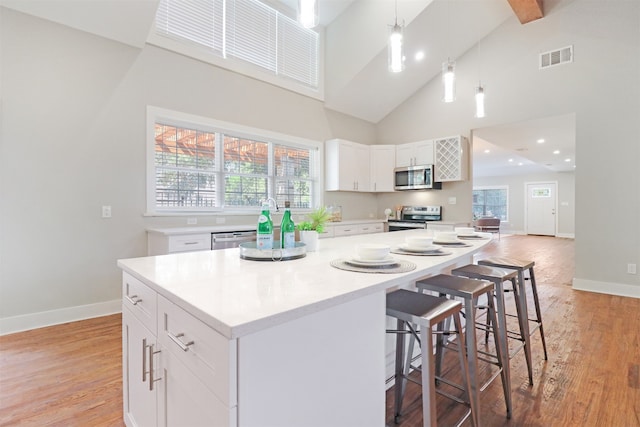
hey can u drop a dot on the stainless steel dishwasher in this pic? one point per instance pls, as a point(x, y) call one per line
point(231, 239)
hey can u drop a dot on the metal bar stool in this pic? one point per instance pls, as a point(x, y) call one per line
point(470, 290)
point(427, 311)
point(498, 277)
point(521, 266)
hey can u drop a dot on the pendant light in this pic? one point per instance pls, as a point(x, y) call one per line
point(448, 69)
point(479, 101)
point(308, 13)
point(479, 92)
point(396, 55)
point(449, 81)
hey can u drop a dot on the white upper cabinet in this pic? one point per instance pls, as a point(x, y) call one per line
point(347, 166)
point(415, 153)
point(451, 159)
point(383, 160)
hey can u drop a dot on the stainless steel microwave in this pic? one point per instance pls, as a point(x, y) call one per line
point(418, 177)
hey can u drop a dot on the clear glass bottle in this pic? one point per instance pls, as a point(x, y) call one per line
point(265, 229)
point(287, 229)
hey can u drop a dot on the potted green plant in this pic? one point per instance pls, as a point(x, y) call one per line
point(309, 230)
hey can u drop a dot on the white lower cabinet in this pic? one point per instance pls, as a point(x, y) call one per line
point(139, 402)
point(358, 228)
point(183, 375)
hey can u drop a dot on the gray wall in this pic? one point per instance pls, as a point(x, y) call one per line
point(73, 139)
point(566, 199)
point(602, 87)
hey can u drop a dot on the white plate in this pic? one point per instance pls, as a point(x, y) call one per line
point(467, 235)
point(371, 263)
point(451, 242)
point(408, 248)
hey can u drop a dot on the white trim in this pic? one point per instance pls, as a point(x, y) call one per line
point(566, 235)
point(245, 68)
point(620, 289)
point(177, 118)
point(25, 322)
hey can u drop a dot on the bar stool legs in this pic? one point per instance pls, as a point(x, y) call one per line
point(470, 290)
point(427, 311)
point(520, 294)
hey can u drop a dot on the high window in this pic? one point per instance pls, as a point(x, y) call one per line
point(241, 32)
point(491, 202)
point(201, 165)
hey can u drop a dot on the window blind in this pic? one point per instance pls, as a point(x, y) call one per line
point(246, 30)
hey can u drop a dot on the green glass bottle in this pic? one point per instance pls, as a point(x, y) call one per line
point(287, 229)
point(265, 229)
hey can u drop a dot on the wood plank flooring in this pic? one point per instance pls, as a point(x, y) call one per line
point(71, 374)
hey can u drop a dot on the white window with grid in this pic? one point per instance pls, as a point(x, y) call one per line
point(199, 165)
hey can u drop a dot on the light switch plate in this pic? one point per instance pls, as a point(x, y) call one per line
point(453, 200)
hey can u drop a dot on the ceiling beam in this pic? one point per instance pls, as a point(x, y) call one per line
point(527, 10)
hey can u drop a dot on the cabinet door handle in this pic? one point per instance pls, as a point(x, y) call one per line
point(133, 299)
point(191, 243)
point(151, 379)
point(144, 360)
point(176, 339)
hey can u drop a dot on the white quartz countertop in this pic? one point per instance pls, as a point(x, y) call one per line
point(168, 231)
point(237, 297)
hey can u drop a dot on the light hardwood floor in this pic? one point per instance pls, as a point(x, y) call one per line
point(70, 375)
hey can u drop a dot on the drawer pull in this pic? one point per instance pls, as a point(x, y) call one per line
point(133, 299)
point(191, 243)
point(176, 339)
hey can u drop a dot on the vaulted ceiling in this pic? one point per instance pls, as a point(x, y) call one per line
point(356, 34)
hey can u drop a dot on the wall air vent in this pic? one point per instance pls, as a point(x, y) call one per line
point(556, 57)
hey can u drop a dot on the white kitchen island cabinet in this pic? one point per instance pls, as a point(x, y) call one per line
point(250, 343)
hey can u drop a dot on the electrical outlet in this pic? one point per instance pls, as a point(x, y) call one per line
point(106, 212)
point(192, 221)
point(631, 268)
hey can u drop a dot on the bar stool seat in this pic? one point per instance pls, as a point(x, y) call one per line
point(470, 290)
point(427, 311)
point(522, 266)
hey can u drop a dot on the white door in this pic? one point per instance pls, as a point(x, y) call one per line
point(541, 208)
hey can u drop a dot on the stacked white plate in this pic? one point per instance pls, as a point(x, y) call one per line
point(446, 237)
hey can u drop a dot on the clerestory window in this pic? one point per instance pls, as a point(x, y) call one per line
point(241, 32)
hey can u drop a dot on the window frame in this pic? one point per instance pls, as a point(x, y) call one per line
point(180, 119)
point(243, 67)
point(493, 187)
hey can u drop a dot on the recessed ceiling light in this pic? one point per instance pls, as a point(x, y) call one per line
point(540, 141)
point(567, 159)
point(556, 151)
point(511, 160)
point(419, 56)
point(520, 164)
point(487, 151)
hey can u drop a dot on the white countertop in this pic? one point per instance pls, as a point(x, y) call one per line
point(238, 297)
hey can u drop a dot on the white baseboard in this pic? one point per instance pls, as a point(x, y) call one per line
point(566, 235)
point(620, 289)
point(9, 325)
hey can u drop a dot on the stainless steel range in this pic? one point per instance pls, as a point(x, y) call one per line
point(412, 217)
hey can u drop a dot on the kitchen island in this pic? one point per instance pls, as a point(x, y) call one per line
point(212, 339)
